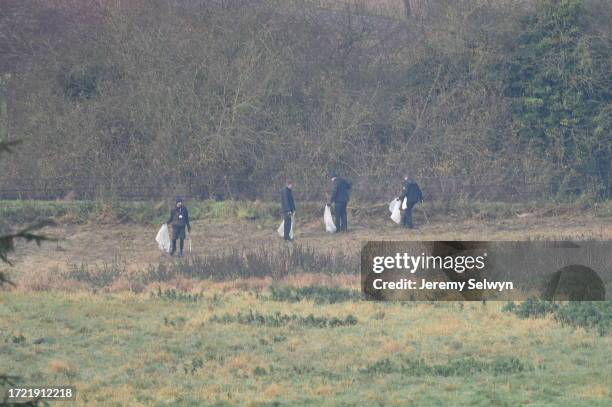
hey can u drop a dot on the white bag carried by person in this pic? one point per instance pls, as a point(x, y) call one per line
point(404, 204)
point(163, 239)
point(396, 215)
point(281, 228)
point(328, 220)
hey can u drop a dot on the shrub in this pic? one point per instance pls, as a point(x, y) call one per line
point(98, 276)
point(277, 320)
point(195, 365)
point(316, 293)
point(178, 322)
point(276, 262)
point(590, 315)
point(533, 308)
point(172, 294)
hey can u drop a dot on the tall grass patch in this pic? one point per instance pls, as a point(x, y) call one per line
point(277, 319)
point(317, 293)
point(274, 262)
point(267, 261)
point(595, 316)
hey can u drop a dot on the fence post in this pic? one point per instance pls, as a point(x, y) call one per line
point(4, 107)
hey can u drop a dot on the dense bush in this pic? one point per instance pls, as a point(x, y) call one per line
point(482, 99)
point(560, 80)
point(592, 315)
point(596, 316)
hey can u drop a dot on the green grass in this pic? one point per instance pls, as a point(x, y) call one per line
point(16, 212)
point(596, 316)
point(127, 349)
point(317, 293)
point(277, 320)
point(141, 212)
point(31, 211)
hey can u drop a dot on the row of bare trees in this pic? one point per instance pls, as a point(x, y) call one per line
point(230, 97)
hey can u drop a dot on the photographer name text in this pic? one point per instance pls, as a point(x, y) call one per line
point(471, 284)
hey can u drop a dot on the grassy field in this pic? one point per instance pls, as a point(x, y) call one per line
point(126, 349)
point(123, 233)
point(94, 310)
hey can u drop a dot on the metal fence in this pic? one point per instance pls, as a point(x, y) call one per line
point(366, 189)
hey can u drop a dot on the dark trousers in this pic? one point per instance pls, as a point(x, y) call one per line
point(340, 214)
point(407, 218)
point(178, 233)
point(173, 247)
point(287, 230)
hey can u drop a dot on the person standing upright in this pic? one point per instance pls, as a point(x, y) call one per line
point(412, 195)
point(340, 196)
point(179, 220)
point(288, 208)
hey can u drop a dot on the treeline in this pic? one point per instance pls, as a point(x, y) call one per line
point(493, 100)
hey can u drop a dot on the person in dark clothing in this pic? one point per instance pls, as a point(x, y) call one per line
point(413, 195)
point(288, 208)
point(179, 220)
point(340, 195)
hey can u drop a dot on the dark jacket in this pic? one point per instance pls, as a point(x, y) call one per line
point(340, 191)
point(179, 217)
point(287, 200)
point(411, 192)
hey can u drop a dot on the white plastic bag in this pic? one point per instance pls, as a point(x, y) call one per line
point(163, 239)
point(396, 215)
point(328, 220)
point(281, 228)
point(404, 204)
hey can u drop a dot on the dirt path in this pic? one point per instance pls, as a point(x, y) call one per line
point(134, 244)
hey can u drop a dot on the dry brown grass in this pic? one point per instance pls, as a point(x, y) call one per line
point(393, 347)
point(324, 390)
point(597, 391)
point(272, 391)
point(61, 367)
point(37, 268)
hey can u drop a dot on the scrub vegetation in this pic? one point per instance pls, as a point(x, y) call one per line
point(592, 315)
point(492, 100)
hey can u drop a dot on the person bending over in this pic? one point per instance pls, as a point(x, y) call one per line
point(412, 194)
point(340, 196)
